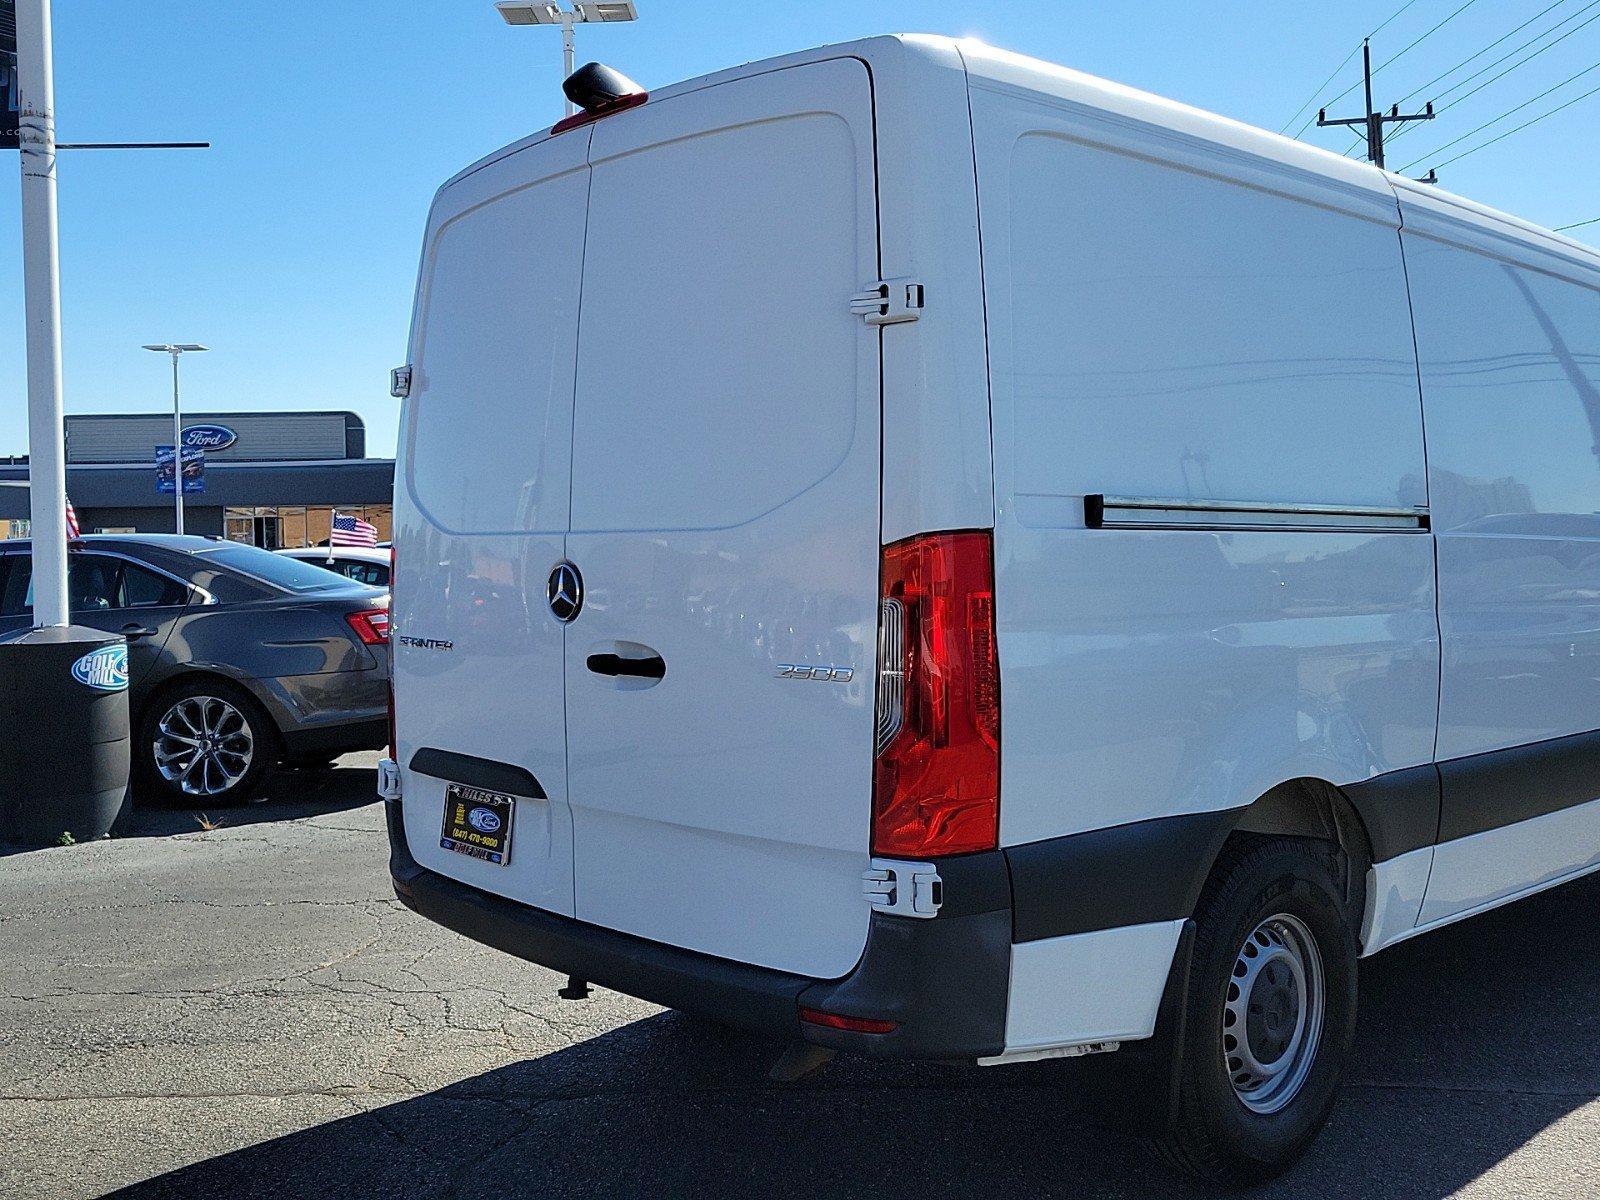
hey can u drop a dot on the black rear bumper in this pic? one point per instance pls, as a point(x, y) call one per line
point(942, 980)
point(334, 740)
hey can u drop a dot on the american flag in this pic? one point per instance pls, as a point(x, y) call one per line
point(72, 521)
point(351, 530)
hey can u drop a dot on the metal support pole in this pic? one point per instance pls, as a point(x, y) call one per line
point(569, 46)
point(47, 467)
point(177, 448)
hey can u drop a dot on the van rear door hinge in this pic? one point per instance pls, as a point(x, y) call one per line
point(400, 382)
point(907, 889)
point(889, 302)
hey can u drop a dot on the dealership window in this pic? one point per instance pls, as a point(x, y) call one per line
point(284, 528)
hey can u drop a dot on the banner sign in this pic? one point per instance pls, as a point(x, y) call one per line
point(194, 471)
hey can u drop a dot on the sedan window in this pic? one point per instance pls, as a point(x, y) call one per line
point(279, 570)
point(16, 578)
point(93, 582)
point(371, 574)
point(146, 589)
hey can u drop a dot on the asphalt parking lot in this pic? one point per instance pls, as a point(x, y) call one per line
point(246, 1012)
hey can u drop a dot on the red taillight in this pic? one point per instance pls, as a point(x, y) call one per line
point(815, 1016)
point(936, 788)
point(371, 626)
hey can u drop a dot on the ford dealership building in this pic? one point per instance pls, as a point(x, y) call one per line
point(271, 478)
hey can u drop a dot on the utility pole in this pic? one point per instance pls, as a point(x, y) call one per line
point(1374, 121)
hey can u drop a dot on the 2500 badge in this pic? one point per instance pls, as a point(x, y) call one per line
point(820, 674)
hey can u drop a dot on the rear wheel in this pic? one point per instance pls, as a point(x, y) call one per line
point(205, 741)
point(1270, 1012)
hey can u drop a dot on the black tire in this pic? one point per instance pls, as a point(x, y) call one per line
point(1226, 1131)
point(252, 722)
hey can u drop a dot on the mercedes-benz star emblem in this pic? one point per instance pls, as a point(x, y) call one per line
point(565, 592)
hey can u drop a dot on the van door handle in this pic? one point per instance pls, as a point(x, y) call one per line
point(133, 631)
point(653, 667)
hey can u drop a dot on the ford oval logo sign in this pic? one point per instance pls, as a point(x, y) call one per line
point(104, 670)
point(484, 820)
point(208, 437)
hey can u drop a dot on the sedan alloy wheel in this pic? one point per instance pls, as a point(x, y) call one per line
point(203, 746)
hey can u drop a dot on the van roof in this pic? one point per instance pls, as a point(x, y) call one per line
point(1004, 70)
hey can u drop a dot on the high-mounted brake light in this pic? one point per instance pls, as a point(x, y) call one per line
point(936, 787)
point(815, 1016)
point(598, 91)
point(371, 625)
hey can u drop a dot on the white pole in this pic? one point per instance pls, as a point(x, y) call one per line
point(177, 447)
point(569, 47)
point(47, 467)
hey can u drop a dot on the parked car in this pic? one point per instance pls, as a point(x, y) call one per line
point(237, 658)
point(978, 589)
point(363, 565)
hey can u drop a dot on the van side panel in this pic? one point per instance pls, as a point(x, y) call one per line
point(1172, 320)
point(1167, 321)
point(1511, 387)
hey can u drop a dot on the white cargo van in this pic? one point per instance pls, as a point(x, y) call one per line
point(935, 555)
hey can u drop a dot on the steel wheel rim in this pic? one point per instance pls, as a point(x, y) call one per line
point(1273, 1014)
point(203, 746)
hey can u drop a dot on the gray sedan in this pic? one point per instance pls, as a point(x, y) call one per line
point(237, 658)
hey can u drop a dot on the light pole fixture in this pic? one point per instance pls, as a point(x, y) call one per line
point(177, 350)
point(518, 12)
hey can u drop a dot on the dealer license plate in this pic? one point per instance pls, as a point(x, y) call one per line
point(478, 823)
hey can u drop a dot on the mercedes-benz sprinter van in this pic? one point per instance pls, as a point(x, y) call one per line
point(934, 555)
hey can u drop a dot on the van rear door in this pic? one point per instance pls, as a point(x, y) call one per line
point(486, 442)
point(725, 521)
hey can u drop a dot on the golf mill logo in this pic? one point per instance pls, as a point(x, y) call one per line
point(104, 670)
point(208, 437)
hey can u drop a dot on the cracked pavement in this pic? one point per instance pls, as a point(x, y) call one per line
point(247, 1012)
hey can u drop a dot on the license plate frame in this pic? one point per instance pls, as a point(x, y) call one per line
point(468, 831)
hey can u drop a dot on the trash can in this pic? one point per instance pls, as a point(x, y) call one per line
point(64, 744)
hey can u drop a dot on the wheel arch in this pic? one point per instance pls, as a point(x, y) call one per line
point(1318, 810)
point(169, 684)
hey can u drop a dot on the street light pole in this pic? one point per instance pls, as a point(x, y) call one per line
point(41, 266)
point(570, 49)
point(522, 12)
point(177, 450)
point(177, 350)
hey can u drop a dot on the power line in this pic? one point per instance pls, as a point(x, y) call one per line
point(1317, 91)
point(1485, 50)
point(1521, 63)
point(1398, 56)
point(1502, 116)
point(1502, 137)
point(1578, 224)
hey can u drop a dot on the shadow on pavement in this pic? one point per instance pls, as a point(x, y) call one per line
point(289, 795)
point(1472, 1042)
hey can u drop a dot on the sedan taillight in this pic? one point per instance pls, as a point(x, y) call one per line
point(371, 625)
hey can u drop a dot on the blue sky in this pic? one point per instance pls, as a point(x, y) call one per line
point(291, 247)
